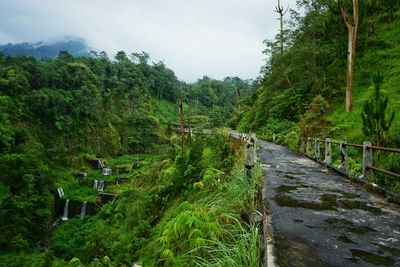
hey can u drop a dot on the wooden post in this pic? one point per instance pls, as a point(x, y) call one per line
point(367, 162)
point(182, 125)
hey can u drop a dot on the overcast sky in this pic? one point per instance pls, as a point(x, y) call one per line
point(217, 38)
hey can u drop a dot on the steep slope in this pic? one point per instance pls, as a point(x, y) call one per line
point(302, 90)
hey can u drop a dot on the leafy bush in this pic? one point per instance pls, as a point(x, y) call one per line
point(314, 121)
point(193, 228)
point(375, 117)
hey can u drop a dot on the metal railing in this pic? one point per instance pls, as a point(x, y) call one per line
point(311, 147)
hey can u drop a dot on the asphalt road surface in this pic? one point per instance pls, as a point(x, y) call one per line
point(322, 219)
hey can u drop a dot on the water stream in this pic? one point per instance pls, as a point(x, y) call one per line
point(83, 210)
point(65, 214)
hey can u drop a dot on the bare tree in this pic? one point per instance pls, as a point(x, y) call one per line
point(282, 12)
point(352, 27)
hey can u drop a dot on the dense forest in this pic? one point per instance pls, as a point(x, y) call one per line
point(302, 89)
point(58, 114)
point(94, 170)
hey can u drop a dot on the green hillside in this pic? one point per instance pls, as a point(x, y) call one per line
point(302, 90)
point(60, 116)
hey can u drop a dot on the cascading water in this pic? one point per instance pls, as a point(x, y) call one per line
point(65, 214)
point(60, 192)
point(95, 184)
point(106, 171)
point(101, 186)
point(83, 210)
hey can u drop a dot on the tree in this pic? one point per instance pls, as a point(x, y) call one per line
point(376, 124)
point(281, 11)
point(352, 27)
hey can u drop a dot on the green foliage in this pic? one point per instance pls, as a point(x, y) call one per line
point(24, 259)
point(191, 229)
point(314, 122)
point(375, 118)
point(216, 99)
point(54, 110)
point(312, 69)
point(204, 218)
point(26, 211)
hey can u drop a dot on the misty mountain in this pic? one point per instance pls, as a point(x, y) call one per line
point(75, 46)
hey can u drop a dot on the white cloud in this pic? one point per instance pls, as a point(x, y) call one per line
point(194, 38)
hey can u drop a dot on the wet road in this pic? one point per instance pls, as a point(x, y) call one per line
point(321, 219)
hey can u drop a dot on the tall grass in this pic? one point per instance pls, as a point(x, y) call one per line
point(242, 250)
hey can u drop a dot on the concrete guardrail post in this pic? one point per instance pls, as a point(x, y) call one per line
point(343, 151)
point(308, 147)
point(328, 151)
point(300, 145)
point(317, 150)
point(367, 173)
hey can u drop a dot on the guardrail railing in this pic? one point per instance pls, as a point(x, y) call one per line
point(312, 148)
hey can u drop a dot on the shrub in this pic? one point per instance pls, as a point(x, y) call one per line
point(375, 118)
point(314, 122)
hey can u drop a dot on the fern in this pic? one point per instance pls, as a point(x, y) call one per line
point(376, 123)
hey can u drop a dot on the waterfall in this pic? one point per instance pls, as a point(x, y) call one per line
point(60, 192)
point(65, 214)
point(83, 210)
point(95, 184)
point(101, 186)
point(106, 171)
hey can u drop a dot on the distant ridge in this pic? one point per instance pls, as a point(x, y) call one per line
point(74, 45)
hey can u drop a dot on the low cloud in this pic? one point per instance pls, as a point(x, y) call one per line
point(195, 38)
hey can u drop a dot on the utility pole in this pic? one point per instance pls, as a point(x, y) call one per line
point(182, 125)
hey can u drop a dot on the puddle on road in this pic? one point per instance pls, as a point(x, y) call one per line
point(326, 202)
point(352, 204)
point(391, 250)
point(371, 258)
point(285, 188)
point(290, 177)
point(342, 223)
point(345, 239)
point(347, 195)
point(294, 251)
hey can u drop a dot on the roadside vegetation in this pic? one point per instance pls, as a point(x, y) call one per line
point(302, 90)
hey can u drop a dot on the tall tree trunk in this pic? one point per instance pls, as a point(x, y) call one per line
point(352, 27)
point(281, 20)
point(281, 11)
point(182, 125)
